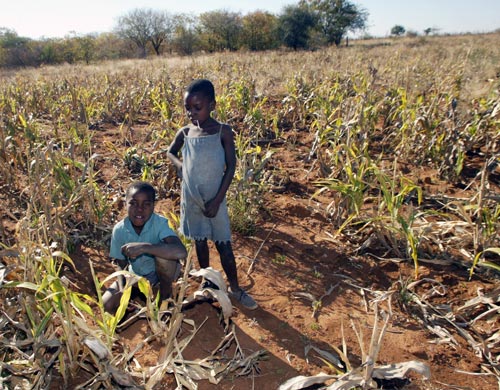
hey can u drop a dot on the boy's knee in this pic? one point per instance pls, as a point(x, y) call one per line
point(108, 307)
point(167, 269)
point(176, 270)
point(111, 300)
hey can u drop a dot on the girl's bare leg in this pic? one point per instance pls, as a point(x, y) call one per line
point(202, 253)
point(228, 263)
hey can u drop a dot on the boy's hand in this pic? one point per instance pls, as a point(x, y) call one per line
point(133, 249)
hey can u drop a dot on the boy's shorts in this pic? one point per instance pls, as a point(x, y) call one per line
point(152, 277)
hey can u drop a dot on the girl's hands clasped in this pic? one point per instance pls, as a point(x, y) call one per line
point(211, 208)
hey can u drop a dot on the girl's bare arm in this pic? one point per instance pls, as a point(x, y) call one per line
point(173, 151)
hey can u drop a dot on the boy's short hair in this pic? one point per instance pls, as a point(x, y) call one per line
point(141, 186)
point(203, 86)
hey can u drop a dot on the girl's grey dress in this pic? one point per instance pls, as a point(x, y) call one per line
point(203, 166)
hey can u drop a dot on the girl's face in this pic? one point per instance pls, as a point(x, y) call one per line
point(198, 108)
point(140, 207)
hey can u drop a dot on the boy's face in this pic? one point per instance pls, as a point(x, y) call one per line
point(198, 107)
point(140, 207)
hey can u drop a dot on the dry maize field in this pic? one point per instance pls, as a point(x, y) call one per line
point(365, 216)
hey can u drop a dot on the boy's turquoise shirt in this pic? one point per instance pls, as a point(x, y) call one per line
point(153, 232)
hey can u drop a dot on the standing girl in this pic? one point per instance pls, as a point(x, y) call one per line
point(207, 169)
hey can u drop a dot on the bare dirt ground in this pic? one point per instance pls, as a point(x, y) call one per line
point(294, 255)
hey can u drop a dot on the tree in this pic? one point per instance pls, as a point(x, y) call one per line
point(220, 30)
point(135, 26)
point(335, 18)
point(294, 25)
point(48, 52)
point(162, 28)
point(143, 26)
point(15, 50)
point(87, 47)
point(185, 38)
point(398, 30)
point(260, 31)
point(109, 46)
point(431, 30)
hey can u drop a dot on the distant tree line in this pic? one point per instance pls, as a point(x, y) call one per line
point(398, 30)
point(310, 24)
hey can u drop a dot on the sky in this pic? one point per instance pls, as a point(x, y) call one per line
point(59, 18)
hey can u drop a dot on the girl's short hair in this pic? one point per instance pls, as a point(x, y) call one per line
point(203, 86)
point(141, 186)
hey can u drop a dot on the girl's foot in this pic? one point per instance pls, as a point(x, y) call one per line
point(242, 297)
